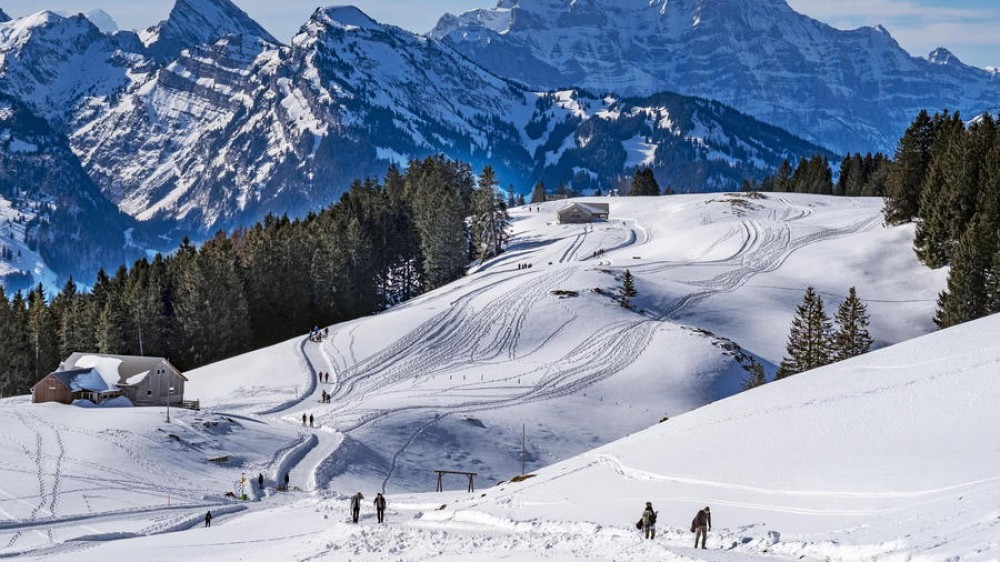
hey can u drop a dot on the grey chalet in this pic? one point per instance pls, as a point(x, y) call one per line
point(145, 381)
point(576, 213)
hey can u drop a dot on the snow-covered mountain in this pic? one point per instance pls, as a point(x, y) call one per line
point(848, 90)
point(199, 22)
point(54, 210)
point(289, 127)
point(856, 461)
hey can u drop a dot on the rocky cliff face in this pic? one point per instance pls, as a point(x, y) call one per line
point(848, 90)
point(206, 121)
point(73, 227)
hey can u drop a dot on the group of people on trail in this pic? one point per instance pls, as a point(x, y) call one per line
point(598, 253)
point(323, 376)
point(356, 506)
point(700, 525)
point(308, 418)
point(325, 397)
point(315, 335)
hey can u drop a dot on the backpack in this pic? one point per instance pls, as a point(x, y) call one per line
point(652, 519)
point(694, 524)
point(638, 524)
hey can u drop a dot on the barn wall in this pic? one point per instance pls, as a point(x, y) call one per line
point(51, 389)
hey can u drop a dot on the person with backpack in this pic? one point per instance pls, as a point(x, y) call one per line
point(356, 506)
point(380, 507)
point(208, 518)
point(701, 525)
point(649, 521)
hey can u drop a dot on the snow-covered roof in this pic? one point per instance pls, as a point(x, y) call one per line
point(592, 208)
point(77, 380)
point(106, 367)
point(136, 379)
point(117, 368)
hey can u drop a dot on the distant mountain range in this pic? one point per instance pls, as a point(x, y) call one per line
point(206, 121)
point(847, 90)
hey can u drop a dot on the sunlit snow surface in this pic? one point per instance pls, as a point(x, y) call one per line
point(889, 456)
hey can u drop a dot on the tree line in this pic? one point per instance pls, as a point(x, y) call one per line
point(946, 179)
point(815, 339)
point(381, 244)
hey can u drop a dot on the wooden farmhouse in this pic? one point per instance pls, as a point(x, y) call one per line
point(145, 381)
point(576, 213)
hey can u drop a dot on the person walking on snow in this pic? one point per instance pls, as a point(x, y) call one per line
point(380, 507)
point(356, 506)
point(649, 521)
point(208, 518)
point(260, 481)
point(310, 420)
point(304, 420)
point(701, 525)
point(286, 481)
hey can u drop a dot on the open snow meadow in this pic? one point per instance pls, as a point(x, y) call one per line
point(894, 455)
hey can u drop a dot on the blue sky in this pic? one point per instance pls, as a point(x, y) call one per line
point(969, 28)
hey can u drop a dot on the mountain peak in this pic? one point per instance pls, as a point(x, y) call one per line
point(199, 22)
point(943, 56)
point(345, 17)
point(3, 16)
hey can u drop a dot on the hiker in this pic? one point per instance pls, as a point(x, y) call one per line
point(649, 521)
point(326, 333)
point(260, 482)
point(208, 518)
point(326, 377)
point(304, 420)
point(380, 507)
point(356, 506)
point(310, 420)
point(286, 481)
point(701, 525)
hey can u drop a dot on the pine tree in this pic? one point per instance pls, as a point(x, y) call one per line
point(490, 220)
point(627, 291)
point(851, 337)
point(538, 193)
point(809, 343)
point(783, 178)
point(906, 176)
point(113, 329)
point(968, 294)
point(755, 375)
point(644, 183)
point(43, 331)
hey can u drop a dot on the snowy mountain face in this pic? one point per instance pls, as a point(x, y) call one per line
point(847, 90)
point(54, 208)
point(290, 127)
point(199, 22)
point(58, 65)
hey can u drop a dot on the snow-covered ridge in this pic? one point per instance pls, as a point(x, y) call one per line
point(847, 90)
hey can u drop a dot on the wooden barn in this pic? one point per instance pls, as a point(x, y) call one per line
point(75, 384)
point(576, 213)
point(145, 381)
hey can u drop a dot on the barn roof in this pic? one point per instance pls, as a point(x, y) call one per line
point(592, 208)
point(116, 369)
point(82, 380)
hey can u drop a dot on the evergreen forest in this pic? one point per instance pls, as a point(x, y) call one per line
point(381, 244)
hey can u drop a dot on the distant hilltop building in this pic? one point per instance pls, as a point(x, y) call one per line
point(145, 381)
point(576, 213)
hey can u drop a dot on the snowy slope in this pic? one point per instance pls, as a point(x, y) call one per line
point(448, 381)
point(889, 456)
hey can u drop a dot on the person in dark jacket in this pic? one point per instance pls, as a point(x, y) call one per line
point(649, 521)
point(286, 481)
point(380, 507)
point(701, 525)
point(356, 506)
point(260, 482)
point(208, 518)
